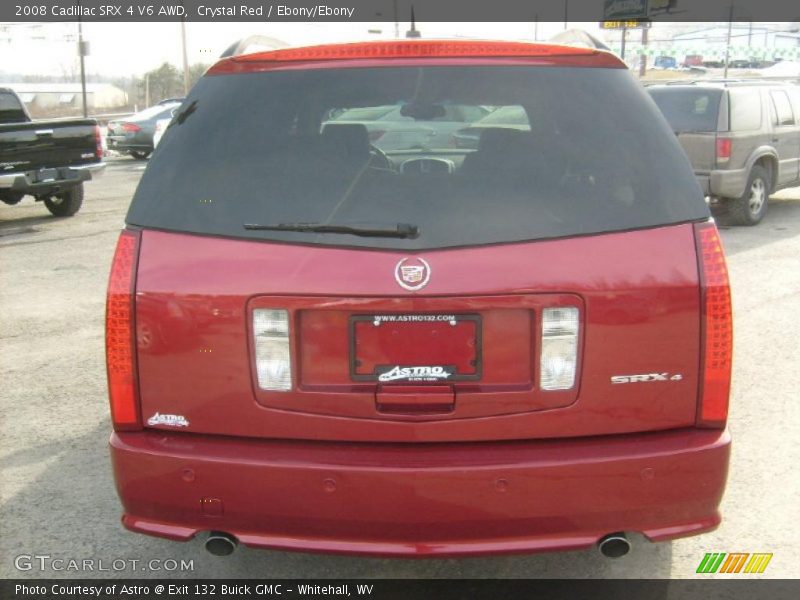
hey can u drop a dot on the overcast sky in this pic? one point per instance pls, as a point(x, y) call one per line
point(123, 49)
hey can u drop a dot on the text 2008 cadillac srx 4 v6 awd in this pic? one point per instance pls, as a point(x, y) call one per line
point(419, 298)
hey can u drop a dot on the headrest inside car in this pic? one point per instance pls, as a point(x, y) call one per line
point(495, 139)
point(350, 138)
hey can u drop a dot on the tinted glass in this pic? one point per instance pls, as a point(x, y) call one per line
point(745, 109)
point(507, 115)
point(783, 109)
point(688, 109)
point(390, 129)
point(10, 109)
point(266, 148)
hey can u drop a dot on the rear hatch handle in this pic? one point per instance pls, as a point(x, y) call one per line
point(415, 399)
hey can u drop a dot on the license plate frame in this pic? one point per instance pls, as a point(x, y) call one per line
point(416, 318)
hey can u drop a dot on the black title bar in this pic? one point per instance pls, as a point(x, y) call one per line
point(398, 10)
point(397, 589)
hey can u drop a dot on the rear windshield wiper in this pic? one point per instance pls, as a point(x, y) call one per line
point(401, 230)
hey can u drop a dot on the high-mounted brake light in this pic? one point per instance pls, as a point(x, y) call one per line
point(559, 352)
point(717, 329)
point(120, 335)
point(418, 49)
point(723, 149)
point(273, 354)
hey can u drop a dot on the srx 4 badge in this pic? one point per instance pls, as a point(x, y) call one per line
point(645, 377)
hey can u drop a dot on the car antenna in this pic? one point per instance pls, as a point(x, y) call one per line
point(413, 33)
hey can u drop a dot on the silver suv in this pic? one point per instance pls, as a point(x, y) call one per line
point(742, 138)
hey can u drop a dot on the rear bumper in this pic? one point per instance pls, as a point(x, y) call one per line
point(421, 500)
point(728, 183)
point(31, 182)
point(703, 180)
point(120, 143)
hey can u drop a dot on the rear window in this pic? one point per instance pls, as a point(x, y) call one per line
point(155, 111)
point(688, 110)
point(794, 94)
point(11, 110)
point(783, 109)
point(745, 109)
point(575, 151)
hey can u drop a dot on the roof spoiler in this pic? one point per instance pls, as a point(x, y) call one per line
point(579, 37)
point(253, 43)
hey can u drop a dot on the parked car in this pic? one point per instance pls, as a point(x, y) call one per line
point(743, 140)
point(161, 127)
point(517, 348)
point(507, 117)
point(134, 135)
point(391, 128)
point(49, 160)
point(665, 62)
point(693, 60)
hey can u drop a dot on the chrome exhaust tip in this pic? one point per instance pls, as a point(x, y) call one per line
point(614, 545)
point(220, 543)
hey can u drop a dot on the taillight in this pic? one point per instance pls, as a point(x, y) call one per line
point(121, 335)
point(130, 127)
point(273, 354)
point(723, 149)
point(98, 142)
point(717, 329)
point(559, 349)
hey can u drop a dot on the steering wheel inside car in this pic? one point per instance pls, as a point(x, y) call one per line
point(379, 159)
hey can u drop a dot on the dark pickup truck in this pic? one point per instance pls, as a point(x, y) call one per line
point(48, 160)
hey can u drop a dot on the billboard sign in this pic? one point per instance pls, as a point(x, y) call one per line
point(624, 10)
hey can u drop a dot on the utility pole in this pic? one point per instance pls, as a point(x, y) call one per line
point(185, 59)
point(536, 27)
point(622, 43)
point(643, 55)
point(413, 32)
point(396, 22)
point(82, 51)
point(728, 42)
point(566, 13)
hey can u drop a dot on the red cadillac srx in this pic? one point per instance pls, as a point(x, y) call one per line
point(419, 298)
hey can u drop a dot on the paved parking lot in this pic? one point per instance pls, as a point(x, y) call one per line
point(58, 496)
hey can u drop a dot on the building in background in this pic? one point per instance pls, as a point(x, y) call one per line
point(749, 41)
point(40, 97)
